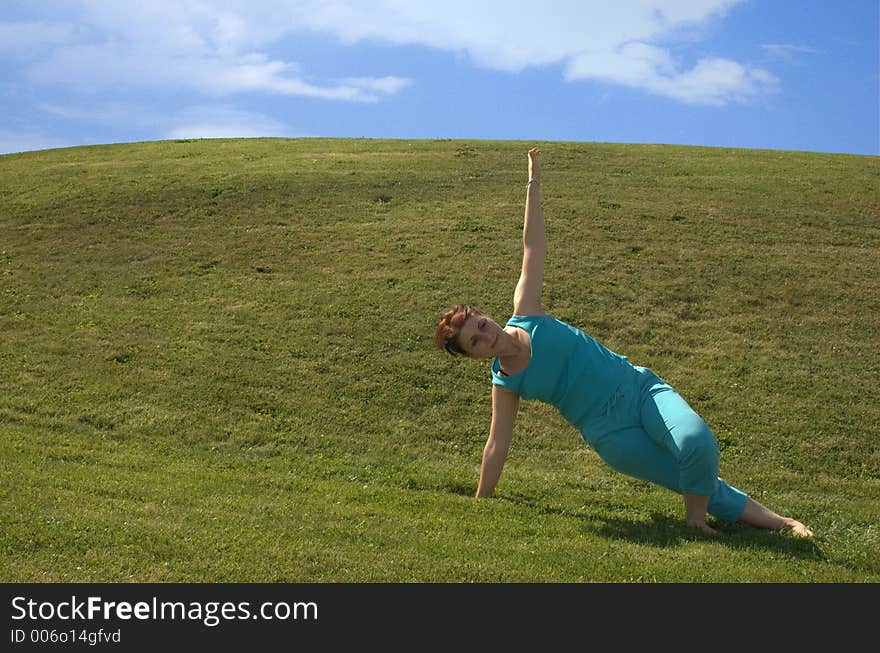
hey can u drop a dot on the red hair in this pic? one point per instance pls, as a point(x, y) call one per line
point(446, 336)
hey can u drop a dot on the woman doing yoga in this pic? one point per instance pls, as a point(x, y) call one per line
point(635, 421)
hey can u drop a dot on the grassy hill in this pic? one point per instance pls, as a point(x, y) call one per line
point(216, 359)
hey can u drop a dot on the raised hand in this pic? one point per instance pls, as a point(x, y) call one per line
point(534, 165)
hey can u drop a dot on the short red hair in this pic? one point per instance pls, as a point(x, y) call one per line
point(446, 336)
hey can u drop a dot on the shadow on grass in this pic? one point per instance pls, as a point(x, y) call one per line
point(456, 487)
point(660, 530)
point(663, 531)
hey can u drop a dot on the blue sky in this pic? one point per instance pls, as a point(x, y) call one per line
point(776, 74)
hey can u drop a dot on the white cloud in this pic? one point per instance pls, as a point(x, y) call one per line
point(712, 81)
point(209, 47)
point(786, 52)
point(92, 68)
point(383, 85)
point(717, 82)
point(223, 48)
point(114, 113)
point(620, 42)
point(224, 122)
point(633, 64)
point(208, 121)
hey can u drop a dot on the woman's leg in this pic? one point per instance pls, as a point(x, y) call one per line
point(668, 419)
point(633, 452)
point(755, 514)
point(695, 508)
point(675, 426)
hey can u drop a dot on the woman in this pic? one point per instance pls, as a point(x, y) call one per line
point(637, 424)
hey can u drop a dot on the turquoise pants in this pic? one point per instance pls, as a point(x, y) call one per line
point(648, 431)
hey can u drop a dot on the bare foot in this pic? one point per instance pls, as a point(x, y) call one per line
point(757, 515)
point(797, 529)
point(704, 527)
point(695, 512)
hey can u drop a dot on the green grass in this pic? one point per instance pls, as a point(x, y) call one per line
point(216, 359)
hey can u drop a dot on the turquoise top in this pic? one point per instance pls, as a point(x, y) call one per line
point(568, 368)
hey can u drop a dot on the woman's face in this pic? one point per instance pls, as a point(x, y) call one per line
point(480, 336)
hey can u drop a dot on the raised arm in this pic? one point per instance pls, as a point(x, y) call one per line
point(505, 405)
point(527, 296)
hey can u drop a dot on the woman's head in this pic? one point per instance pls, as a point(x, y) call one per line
point(465, 330)
point(451, 322)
